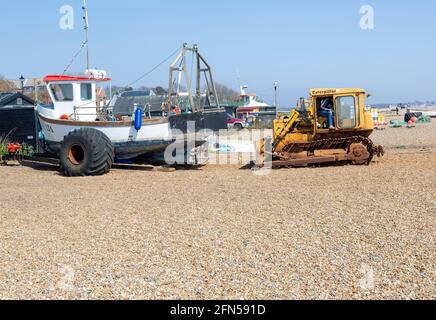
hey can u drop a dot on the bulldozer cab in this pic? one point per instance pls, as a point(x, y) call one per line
point(339, 110)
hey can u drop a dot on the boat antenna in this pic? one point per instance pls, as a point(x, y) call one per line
point(85, 42)
point(86, 27)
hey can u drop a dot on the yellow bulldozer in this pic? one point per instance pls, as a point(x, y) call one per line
point(332, 126)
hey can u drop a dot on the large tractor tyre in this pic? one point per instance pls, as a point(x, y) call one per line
point(86, 152)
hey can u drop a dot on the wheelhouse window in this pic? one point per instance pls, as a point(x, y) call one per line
point(86, 91)
point(346, 112)
point(62, 92)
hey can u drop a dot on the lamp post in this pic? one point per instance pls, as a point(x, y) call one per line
point(22, 79)
point(276, 96)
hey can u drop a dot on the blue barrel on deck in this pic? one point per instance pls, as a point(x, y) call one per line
point(138, 119)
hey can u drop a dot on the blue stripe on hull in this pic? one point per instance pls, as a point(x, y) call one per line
point(133, 149)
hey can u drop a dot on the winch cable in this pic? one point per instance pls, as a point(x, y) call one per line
point(155, 68)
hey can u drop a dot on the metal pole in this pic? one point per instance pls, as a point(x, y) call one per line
point(208, 69)
point(36, 90)
point(198, 76)
point(110, 90)
point(276, 96)
point(85, 19)
point(174, 68)
point(22, 84)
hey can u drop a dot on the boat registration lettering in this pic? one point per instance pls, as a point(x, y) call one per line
point(49, 128)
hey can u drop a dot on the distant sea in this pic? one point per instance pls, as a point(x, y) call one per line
point(383, 106)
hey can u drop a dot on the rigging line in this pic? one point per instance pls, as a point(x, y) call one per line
point(87, 104)
point(156, 67)
point(85, 43)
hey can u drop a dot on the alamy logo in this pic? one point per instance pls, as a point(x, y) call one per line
point(367, 19)
point(67, 281)
point(367, 282)
point(66, 22)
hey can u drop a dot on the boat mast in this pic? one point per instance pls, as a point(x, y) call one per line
point(86, 27)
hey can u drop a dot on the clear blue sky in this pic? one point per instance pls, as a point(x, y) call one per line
point(301, 44)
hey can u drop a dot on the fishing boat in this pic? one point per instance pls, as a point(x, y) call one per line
point(89, 139)
point(253, 109)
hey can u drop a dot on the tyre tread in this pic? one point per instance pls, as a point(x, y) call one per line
point(102, 152)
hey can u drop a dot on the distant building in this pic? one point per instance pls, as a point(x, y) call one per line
point(102, 99)
point(33, 87)
point(13, 99)
point(124, 103)
point(30, 85)
point(138, 93)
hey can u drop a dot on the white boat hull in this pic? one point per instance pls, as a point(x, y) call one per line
point(151, 140)
point(57, 130)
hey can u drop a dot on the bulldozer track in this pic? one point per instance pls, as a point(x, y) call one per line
point(332, 143)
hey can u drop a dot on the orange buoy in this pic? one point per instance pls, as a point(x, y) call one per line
point(14, 147)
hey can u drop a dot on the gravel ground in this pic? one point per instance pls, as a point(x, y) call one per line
point(397, 140)
point(344, 232)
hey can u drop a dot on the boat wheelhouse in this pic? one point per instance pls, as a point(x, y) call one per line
point(74, 97)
